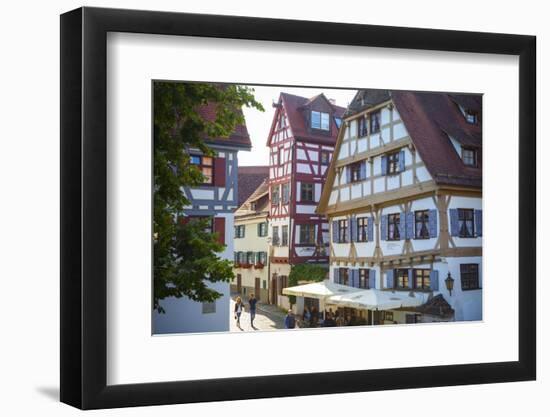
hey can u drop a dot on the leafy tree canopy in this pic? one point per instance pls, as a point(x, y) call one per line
point(186, 253)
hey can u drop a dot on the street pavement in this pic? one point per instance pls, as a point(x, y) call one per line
point(268, 317)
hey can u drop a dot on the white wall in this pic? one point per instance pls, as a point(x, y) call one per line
point(31, 374)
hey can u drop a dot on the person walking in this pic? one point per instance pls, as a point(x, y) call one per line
point(252, 304)
point(239, 308)
point(290, 320)
point(306, 317)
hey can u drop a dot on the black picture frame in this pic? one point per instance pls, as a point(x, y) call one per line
point(84, 207)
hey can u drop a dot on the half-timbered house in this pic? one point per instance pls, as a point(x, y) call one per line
point(301, 143)
point(216, 200)
point(404, 199)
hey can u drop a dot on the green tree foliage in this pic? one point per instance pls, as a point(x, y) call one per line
point(185, 253)
point(305, 272)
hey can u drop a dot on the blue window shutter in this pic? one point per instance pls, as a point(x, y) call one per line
point(353, 228)
point(410, 225)
point(336, 275)
point(335, 231)
point(434, 280)
point(478, 217)
point(384, 227)
point(389, 278)
point(454, 221)
point(411, 278)
point(363, 170)
point(432, 222)
point(355, 278)
point(372, 278)
point(348, 174)
point(370, 229)
point(402, 220)
point(384, 165)
point(401, 161)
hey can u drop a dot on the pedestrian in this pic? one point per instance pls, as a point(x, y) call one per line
point(340, 319)
point(239, 308)
point(290, 320)
point(252, 304)
point(306, 317)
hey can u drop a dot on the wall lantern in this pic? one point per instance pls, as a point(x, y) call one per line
point(449, 283)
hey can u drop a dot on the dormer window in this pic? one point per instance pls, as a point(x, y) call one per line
point(374, 122)
point(471, 117)
point(320, 120)
point(469, 157)
point(338, 121)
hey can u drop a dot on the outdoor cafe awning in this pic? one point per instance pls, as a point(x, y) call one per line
point(320, 290)
point(345, 296)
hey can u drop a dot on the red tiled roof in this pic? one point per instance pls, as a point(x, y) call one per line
point(294, 106)
point(249, 179)
point(239, 137)
point(430, 118)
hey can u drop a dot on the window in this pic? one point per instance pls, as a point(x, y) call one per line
point(363, 278)
point(469, 157)
point(469, 276)
point(343, 231)
point(465, 222)
point(276, 240)
point(401, 277)
point(239, 231)
point(284, 230)
point(208, 307)
point(307, 233)
point(250, 258)
point(343, 276)
point(320, 120)
point(362, 229)
point(393, 163)
point(264, 284)
point(275, 156)
point(306, 192)
point(355, 172)
point(421, 221)
point(283, 279)
point(375, 122)
point(471, 117)
point(281, 156)
point(275, 194)
point(421, 279)
point(338, 121)
point(361, 127)
point(286, 193)
point(388, 315)
point(325, 157)
point(262, 258)
point(205, 164)
point(393, 226)
point(262, 229)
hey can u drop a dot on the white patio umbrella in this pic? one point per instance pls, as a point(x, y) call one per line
point(320, 290)
point(378, 300)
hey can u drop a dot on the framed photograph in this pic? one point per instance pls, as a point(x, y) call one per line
point(256, 208)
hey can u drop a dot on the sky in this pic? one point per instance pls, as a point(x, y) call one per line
point(259, 123)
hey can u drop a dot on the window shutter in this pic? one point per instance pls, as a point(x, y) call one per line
point(370, 229)
point(402, 221)
point(335, 231)
point(454, 221)
point(236, 257)
point(432, 222)
point(219, 228)
point(434, 280)
point(372, 278)
point(389, 278)
point(219, 172)
point(356, 279)
point(258, 228)
point(384, 166)
point(336, 275)
point(348, 174)
point(363, 170)
point(410, 225)
point(401, 161)
point(478, 217)
point(411, 277)
point(353, 228)
point(384, 227)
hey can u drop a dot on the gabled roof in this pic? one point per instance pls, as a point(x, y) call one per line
point(239, 138)
point(249, 179)
point(295, 107)
point(260, 196)
point(430, 118)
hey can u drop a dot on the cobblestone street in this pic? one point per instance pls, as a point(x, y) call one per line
point(268, 317)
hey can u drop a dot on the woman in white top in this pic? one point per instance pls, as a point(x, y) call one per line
point(239, 308)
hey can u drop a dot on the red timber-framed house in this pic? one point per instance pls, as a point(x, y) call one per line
point(301, 142)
